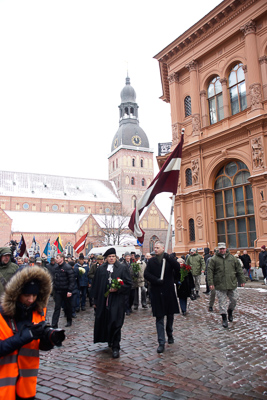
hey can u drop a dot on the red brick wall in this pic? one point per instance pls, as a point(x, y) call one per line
point(5, 231)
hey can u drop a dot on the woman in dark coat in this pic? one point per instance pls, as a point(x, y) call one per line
point(185, 288)
point(109, 311)
point(162, 292)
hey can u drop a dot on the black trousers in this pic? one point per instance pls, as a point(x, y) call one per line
point(59, 299)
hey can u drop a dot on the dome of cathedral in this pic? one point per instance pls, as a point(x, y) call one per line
point(130, 134)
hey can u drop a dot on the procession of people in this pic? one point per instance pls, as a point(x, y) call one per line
point(113, 289)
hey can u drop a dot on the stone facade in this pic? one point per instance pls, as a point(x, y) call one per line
point(221, 64)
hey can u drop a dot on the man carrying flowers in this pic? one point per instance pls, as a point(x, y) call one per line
point(111, 283)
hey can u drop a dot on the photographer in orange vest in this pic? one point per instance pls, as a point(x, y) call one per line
point(23, 331)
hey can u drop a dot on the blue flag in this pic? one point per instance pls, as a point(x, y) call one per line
point(139, 244)
point(47, 250)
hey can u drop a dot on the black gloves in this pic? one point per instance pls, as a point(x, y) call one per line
point(37, 330)
point(160, 282)
point(32, 332)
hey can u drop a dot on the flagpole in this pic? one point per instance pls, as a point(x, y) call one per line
point(168, 237)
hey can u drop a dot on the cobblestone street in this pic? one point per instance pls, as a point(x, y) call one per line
point(206, 361)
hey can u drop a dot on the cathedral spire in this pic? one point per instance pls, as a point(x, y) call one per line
point(129, 134)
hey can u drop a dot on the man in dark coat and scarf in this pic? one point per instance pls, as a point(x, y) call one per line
point(162, 292)
point(109, 301)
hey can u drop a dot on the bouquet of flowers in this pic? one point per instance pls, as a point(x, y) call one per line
point(184, 270)
point(115, 284)
point(81, 271)
point(136, 268)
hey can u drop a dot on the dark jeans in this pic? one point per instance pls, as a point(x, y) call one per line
point(160, 328)
point(264, 271)
point(183, 303)
point(75, 300)
point(83, 290)
point(60, 297)
point(129, 300)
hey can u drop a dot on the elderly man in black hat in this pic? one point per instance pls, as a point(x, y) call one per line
point(108, 293)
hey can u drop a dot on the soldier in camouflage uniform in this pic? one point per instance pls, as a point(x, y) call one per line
point(197, 263)
point(223, 272)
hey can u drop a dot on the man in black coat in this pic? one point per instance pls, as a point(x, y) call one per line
point(246, 260)
point(263, 262)
point(109, 310)
point(162, 292)
point(64, 284)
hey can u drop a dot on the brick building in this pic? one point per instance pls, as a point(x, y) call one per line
point(215, 78)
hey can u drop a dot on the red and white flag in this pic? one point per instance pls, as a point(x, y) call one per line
point(80, 245)
point(165, 181)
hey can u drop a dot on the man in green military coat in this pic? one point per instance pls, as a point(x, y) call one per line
point(224, 271)
point(7, 268)
point(197, 263)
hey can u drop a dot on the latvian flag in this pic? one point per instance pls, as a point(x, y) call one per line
point(80, 245)
point(165, 181)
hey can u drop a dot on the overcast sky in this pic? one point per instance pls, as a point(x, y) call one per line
point(63, 66)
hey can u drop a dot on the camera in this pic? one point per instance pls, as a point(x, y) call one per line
point(54, 336)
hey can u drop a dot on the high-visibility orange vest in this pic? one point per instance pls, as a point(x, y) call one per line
point(18, 370)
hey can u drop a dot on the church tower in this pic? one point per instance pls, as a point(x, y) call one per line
point(131, 159)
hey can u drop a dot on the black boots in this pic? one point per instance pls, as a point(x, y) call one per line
point(161, 348)
point(224, 321)
point(230, 315)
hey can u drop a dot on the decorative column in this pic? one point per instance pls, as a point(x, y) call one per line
point(254, 78)
point(263, 65)
point(225, 97)
point(245, 69)
point(203, 102)
point(192, 67)
point(175, 102)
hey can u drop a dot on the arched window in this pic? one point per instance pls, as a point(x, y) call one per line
point(88, 248)
point(187, 106)
point(215, 99)
point(188, 177)
point(133, 201)
point(143, 182)
point(127, 180)
point(53, 251)
point(69, 248)
point(142, 163)
point(234, 206)
point(152, 242)
point(133, 162)
point(191, 223)
point(237, 89)
point(132, 181)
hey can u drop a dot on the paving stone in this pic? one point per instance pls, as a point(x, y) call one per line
point(205, 362)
